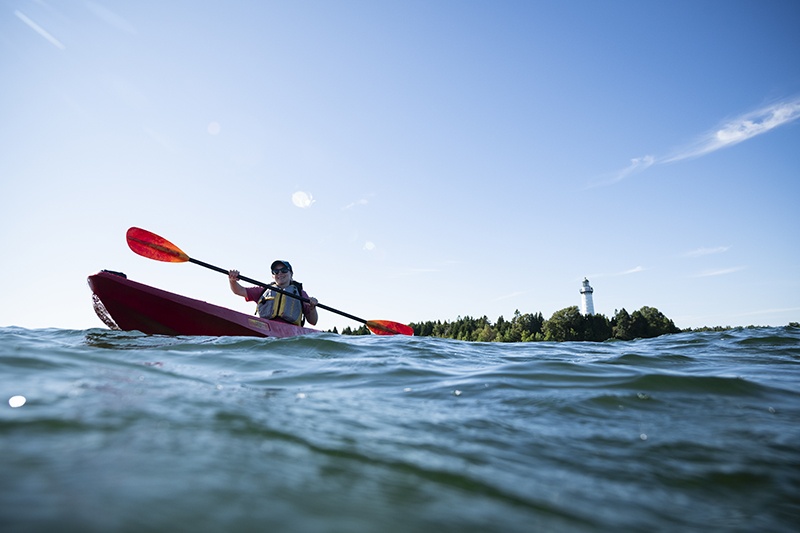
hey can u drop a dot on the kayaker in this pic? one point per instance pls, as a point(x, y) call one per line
point(274, 304)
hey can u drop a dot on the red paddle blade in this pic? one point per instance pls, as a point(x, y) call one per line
point(387, 327)
point(152, 246)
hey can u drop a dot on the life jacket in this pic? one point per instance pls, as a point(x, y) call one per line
point(273, 304)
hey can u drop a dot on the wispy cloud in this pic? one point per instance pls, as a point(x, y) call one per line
point(634, 270)
point(699, 252)
point(362, 201)
point(111, 18)
point(733, 132)
point(718, 272)
point(741, 129)
point(638, 164)
point(509, 296)
point(38, 29)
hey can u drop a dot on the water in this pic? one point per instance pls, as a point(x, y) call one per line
point(126, 432)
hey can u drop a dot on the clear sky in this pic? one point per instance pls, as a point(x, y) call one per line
point(414, 160)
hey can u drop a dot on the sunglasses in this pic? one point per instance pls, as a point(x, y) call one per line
point(283, 270)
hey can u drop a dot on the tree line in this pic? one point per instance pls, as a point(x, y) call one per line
point(568, 324)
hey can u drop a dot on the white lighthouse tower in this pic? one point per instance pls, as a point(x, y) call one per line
point(587, 306)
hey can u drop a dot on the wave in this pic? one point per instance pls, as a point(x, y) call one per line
point(298, 433)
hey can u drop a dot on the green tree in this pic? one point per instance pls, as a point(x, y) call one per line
point(363, 330)
point(621, 325)
point(644, 323)
point(638, 325)
point(486, 334)
point(657, 323)
point(568, 324)
point(565, 325)
point(596, 328)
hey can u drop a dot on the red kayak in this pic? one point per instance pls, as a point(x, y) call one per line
point(127, 305)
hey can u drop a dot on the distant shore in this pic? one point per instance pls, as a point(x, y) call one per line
point(567, 324)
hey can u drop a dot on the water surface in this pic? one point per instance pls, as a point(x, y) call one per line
point(127, 432)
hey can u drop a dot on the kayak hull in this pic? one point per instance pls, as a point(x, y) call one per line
point(128, 305)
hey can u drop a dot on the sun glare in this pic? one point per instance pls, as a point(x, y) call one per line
point(16, 401)
point(302, 199)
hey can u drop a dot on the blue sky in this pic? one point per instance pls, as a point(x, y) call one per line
point(415, 160)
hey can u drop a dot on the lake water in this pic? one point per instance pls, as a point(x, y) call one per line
point(116, 431)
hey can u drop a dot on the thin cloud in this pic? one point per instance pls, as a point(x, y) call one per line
point(110, 17)
point(38, 29)
point(718, 272)
point(707, 251)
point(362, 201)
point(638, 164)
point(740, 129)
point(633, 270)
point(509, 296)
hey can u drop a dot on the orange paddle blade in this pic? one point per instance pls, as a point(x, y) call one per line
point(387, 327)
point(150, 245)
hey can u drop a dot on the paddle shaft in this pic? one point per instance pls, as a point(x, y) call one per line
point(277, 289)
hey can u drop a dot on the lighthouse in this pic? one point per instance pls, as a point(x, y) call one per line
point(587, 306)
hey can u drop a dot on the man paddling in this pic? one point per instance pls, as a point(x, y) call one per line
point(273, 304)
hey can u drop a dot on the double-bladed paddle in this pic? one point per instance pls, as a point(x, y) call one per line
point(150, 245)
